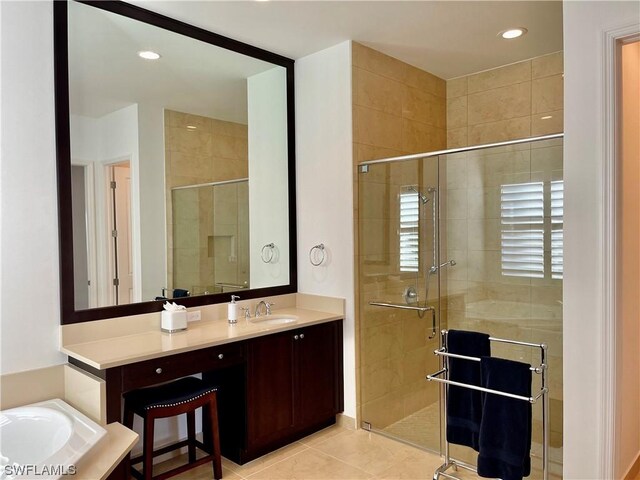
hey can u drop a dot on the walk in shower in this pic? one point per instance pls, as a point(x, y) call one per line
point(467, 239)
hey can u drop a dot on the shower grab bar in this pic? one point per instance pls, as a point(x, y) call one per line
point(442, 352)
point(401, 306)
point(434, 377)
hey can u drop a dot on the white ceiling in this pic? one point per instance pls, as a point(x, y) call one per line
point(106, 74)
point(446, 38)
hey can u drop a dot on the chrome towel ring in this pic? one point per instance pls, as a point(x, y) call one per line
point(267, 252)
point(317, 253)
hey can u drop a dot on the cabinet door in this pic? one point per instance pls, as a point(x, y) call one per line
point(318, 360)
point(270, 388)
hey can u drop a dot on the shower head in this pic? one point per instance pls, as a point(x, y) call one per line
point(423, 198)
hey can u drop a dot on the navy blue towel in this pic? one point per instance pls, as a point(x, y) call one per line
point(505, 431)
point(464, 405)
point(179, 293)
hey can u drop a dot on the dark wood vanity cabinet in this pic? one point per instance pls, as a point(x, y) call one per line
point(294, 385)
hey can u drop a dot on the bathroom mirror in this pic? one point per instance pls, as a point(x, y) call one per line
point(175, 163)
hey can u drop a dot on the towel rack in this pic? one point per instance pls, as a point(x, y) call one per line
point(543, 393)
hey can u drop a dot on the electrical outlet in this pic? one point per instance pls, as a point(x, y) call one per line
point(194, 316)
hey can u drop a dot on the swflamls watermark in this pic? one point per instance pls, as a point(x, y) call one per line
point(38, 470)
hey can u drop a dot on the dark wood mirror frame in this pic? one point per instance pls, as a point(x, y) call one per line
point(69, 314)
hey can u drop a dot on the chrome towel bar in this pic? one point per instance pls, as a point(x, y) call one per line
point(402, 307)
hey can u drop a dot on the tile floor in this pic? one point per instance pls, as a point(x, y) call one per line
point(335, 453)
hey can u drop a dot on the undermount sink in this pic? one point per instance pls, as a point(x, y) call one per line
point(274, 319)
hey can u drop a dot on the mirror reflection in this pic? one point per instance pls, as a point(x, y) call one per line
point(179, 164)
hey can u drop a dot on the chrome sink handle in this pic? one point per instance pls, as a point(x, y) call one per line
point(247, 312)
point(268, 306)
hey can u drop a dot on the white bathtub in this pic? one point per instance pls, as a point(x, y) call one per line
point(44, 440)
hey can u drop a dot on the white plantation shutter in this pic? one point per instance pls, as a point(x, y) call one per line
point(522, 244)
point(557, 230)
point(408, 233)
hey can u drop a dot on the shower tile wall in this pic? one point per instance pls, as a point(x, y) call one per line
point(520, 100)
point(503, 104)
point(397, 109)
point(214, 150)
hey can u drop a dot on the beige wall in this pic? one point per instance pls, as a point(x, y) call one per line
point(628, 363)
point(506, 103)
point(213, 151)
point(397, 109)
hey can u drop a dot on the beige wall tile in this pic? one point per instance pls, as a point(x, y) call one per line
point(547, 94)
point(220, 127)
point(457, 112)
point(547, 65)
point(499, 77)
point(193, 142)
point(377, 62)
point(502, 103)
point(540, 125)
point(418, 137)
point(377, 92)
point(190, 165)
point(372, 127)
point(181, 120)
point(457, 137)
point(457, 87)
point(424, 81)
point(423, 107)
point(499, 131)
point(363, 152)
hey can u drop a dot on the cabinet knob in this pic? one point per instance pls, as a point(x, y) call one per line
point(296, 337)
point(301, 335)
point(221, 356)
point(158, 370)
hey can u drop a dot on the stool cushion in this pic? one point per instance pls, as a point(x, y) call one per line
point(169, 394)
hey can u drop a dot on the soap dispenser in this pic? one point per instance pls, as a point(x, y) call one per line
point(232, 309)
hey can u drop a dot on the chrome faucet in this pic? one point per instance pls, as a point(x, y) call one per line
point(267, 308)
point(261, 303)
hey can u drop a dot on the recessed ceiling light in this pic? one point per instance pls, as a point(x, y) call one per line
point(191, 127)
point(546, 117)
point(513, 33)
point(149, 55)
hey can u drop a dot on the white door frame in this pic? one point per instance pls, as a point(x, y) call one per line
point(610, 127)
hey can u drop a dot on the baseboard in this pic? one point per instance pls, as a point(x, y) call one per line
point(346, 421)
point(634, 470)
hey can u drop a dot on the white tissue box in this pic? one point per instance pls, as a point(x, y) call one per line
point(174, 321)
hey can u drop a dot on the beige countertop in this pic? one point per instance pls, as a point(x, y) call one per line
point(121, 350)
point(106, 455)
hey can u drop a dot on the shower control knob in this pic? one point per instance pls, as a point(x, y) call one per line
point(158, 370)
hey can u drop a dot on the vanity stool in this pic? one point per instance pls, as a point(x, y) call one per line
point(180, 396)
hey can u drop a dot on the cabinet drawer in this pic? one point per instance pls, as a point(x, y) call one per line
point(163, 369)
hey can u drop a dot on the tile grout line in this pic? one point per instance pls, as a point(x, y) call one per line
point(279, 461)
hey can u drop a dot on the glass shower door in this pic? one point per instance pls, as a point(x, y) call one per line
point(397, 253)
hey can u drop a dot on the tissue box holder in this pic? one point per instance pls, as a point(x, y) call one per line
point(173, 321)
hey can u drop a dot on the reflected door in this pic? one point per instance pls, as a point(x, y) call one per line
point(121, 233)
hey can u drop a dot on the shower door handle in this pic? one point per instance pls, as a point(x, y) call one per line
point(433, 324)
point(401, 306)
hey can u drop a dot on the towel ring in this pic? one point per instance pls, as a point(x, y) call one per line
point(267, 255)
point(319, 247)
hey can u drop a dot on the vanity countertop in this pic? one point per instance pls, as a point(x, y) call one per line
point(121, 350)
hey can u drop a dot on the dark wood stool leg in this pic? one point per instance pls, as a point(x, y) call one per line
point(147, 459)
point(128, 417)
point(217, 460)
point(191, 435)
